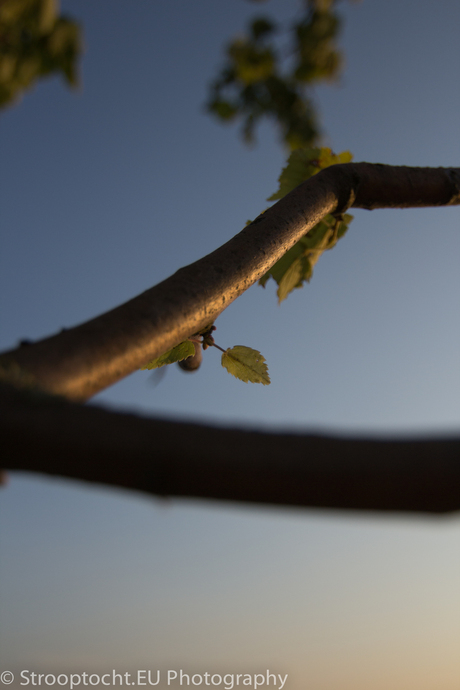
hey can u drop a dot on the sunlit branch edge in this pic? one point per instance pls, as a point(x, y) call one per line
point(81, 361)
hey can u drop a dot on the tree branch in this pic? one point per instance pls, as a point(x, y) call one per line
point(81, 361)
point(51, 435)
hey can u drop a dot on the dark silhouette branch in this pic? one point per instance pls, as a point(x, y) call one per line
point(81, 361)
point(53, 436)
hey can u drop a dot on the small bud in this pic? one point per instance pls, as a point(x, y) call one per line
point(193, 362)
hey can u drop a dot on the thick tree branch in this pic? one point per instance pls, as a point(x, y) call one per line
point(81, 361)
point(57, 437)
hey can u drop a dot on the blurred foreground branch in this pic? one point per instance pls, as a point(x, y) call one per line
point(46, 434)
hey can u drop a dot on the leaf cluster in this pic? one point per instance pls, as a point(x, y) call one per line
point(35, 42)
point(260, 78)
point(296, 266)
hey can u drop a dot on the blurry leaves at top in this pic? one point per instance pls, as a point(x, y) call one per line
point(35, 42)
point(262, 78)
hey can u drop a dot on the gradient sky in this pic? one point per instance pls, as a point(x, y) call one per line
point(110, 189)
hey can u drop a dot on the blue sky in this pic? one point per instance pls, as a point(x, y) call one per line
point(107, 191)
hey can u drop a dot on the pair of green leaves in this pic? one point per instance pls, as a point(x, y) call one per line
point(242, 362)
point(296, 266)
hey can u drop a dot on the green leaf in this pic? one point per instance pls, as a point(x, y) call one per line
point(223, 109)
point(251, 62)
point(304, 163)
point(301, 164)
point(176, 354)
point(296, 266)
point(299, 271)
point(246, 364)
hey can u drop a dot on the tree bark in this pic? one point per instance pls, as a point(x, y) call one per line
point(46, 434)
point(81, 361)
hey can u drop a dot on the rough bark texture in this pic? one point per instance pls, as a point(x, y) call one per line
point(81, 361)
point(189, 460)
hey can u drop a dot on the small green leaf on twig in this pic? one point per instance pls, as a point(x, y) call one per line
point(246, 364)
point(176, 354)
